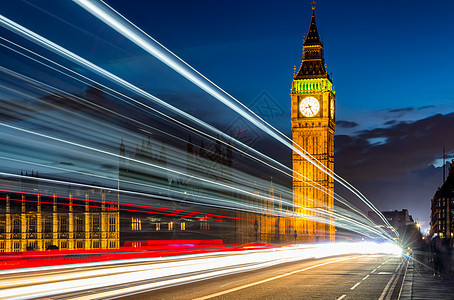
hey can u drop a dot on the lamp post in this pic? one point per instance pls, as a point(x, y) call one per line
point(418, 225)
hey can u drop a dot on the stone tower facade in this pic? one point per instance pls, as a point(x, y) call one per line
point(313, 121)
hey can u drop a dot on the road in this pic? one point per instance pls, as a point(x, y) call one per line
point(278, 273)
point(352, 277)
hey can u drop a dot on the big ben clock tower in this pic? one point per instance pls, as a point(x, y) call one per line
point(313, 119)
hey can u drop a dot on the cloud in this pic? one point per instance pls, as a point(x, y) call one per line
point(346, 124)
point(388, 123)
point(426, 107)
point(398, 171)
point(408, 146)
point(401, 109)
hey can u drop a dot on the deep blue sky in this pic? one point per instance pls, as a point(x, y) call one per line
point(392, 68)
point(383, 54)
point(391, 61)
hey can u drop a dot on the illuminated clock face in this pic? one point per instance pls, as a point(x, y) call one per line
point(331, 109)
point(309, 107)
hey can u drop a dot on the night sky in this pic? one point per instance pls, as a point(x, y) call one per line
point(391, 62)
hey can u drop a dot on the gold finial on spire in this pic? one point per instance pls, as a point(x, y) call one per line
point(313, 4)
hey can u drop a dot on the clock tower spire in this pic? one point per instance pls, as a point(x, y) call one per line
point(313, 64)
point(313, 111)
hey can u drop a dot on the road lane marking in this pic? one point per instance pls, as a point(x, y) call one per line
point(373, 271)
point(391, 284)
point(353, 287)
point(383, 294)
point(366, 277)
point(269, 279)
point(341, 297)
point(403, 282)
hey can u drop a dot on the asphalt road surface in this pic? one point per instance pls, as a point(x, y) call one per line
point(351, 277)
point(264, 274)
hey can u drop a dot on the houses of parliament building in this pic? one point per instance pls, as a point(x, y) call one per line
point(34, 216)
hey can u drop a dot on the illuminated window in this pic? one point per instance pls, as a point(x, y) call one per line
point(80, 224)
point(16, 224)
point(32, 245)
point(112, 223)
point(63, 245)
point(31, 223)
point(2, 225)
point(47, 224)
point(95, 223)
point(204, 224)
point(63, 224)
point(136, 224)
point(171, 226)
point(183, 226)
point(158, 226)
point(16, 246)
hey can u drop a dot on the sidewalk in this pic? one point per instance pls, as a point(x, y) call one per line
point(419, 283)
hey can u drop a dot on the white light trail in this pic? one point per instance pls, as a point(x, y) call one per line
point(71, 56)
point(77, 59)
point(209, 87)
point(181, 270)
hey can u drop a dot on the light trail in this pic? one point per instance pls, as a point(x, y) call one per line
point(137, 273)
point(73, 96)
point(94, 84)
point(224, 186)
point(344, 221)
point(271, 212)
point(216, 131)
point(112, 77)
point(239, 206)
point(201, 81)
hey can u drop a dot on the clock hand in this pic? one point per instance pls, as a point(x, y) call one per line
point(310, 108)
